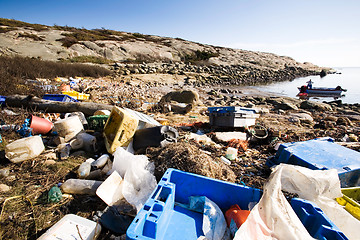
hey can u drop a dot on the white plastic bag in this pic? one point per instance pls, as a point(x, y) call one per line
point(321, 187)
point(273, 216)
point(214, 224)
point(139, 182)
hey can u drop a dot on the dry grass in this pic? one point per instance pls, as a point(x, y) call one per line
point(15, 70)
point(187, 157)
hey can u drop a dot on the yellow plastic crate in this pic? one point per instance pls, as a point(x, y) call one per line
point(349, 200)
point(77, 95)
point(119, 129)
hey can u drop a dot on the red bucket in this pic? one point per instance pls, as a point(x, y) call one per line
point(40, 125)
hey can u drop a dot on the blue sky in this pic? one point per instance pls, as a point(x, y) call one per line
point(324, 32)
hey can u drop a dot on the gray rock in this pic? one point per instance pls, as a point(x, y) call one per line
point(284, 105)
point(303, 117)
point(315, 105)
point(188, 96)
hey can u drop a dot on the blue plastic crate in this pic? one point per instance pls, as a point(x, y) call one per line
point(2, 100)
point(59, 98)
point(162, 218)
point(317, 154)
point(315, 221)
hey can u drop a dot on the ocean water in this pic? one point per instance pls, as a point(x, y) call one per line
point(348, 79)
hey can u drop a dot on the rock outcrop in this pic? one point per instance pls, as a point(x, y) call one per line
point(134, 53)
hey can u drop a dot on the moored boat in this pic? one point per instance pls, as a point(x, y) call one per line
point(309, 89)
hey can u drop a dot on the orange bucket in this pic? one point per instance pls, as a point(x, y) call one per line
point(40, 125)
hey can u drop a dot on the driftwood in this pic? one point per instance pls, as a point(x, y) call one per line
point(35, 103)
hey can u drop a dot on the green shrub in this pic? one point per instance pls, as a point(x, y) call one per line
point(199, 56)
point(15, 23)
point(89, 59)
point(7, 29)
point(138, 35)
point(32, 36)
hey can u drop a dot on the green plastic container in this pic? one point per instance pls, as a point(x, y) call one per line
point(97, 122)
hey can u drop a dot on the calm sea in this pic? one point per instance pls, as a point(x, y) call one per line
point(348, 79)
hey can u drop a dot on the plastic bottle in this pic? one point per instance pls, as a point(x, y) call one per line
point(84, 168)
point(225, 160)
point(80, 186)
point(101, 161)
point(54, 194)
point(64, 150)
point(24, 149)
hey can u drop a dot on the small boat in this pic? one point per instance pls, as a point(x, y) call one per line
point(308, 89)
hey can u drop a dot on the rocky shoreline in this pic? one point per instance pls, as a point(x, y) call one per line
point(214, 74)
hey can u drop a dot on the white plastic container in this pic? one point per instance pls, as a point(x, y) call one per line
point(85, 141)
point(102, 112)
point(70, 226)
point(231, 153)
point(69, 127)
point(89, 141)
point(110, 191)
point(80, 186)
point(24, 149)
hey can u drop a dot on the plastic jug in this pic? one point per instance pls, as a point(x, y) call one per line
point(24, 149)
point(69, 127)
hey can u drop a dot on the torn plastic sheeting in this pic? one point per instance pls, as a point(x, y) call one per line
point(273, 216)
point(214, 224)
point(139, 182)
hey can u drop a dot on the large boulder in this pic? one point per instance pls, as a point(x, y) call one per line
point(315, 106)
point(303, 117)
point(186, 96)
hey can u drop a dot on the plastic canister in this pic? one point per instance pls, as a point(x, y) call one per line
point(80, 115)
point(88, 140)
point(119, 129)
point(24, 149)
point(69, 127)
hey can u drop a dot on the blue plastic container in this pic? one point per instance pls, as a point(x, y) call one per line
point(162, 218)
point(2, 100)
point(321, 154)
point(315, 221)
point(59, 98)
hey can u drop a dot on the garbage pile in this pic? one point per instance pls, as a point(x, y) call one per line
point(140, 177)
